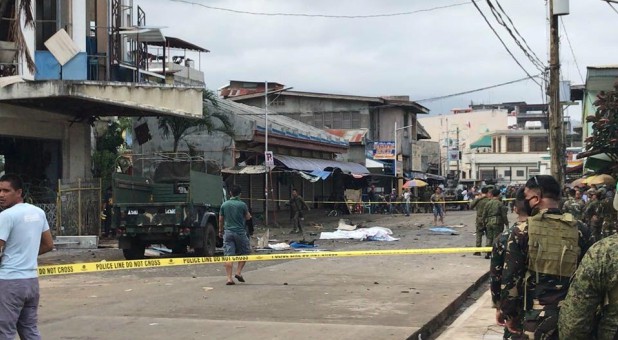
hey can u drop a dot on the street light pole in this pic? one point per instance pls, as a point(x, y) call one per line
point(395, 136)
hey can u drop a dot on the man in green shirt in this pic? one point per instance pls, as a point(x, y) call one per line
point(232, 217)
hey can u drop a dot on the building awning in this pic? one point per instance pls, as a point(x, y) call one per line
point(484, 142)
point(599, 162)
point(311, 164)
point(246, 170)
point(85, 100)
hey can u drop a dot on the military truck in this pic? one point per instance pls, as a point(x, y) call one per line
point(175, 204)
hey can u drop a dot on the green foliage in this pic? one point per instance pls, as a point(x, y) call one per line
point(103, 165)
point(179, 127)
point(111, 139)
point(604, 137)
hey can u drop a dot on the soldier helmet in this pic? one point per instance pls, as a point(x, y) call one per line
point(601, 192)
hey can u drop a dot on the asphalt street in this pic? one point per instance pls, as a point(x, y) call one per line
point(377, 297)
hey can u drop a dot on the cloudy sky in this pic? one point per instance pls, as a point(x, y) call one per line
point(423, 55)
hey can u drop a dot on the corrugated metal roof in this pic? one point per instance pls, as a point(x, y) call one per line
point(173, 42)
point(421, 133)
point(351, 135)
point(279, 124)
point(311, 164)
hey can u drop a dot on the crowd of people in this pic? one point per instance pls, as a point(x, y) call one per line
point(554, 273)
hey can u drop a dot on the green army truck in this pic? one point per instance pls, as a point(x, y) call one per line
point(177, 207)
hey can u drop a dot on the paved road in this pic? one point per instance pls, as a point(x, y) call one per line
point(386, 297)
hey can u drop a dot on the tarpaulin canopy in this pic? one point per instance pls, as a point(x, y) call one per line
point(311, 164)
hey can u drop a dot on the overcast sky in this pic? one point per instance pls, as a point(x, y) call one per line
point(422, 55)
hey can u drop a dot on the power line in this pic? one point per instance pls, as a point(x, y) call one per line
point(612, 6)
point(581, 77)
point(503, 44)
point(526, 49)
point(477, 90)
point(368, 16)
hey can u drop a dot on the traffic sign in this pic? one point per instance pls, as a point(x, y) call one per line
point(269, 159)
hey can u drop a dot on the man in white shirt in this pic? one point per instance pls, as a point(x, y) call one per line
point(24, 234)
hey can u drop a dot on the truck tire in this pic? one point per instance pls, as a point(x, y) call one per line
point(136, 252)
point(209, 245)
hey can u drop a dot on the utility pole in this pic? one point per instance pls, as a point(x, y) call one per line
point(265, 151)
point(458, 153)
point(556, 121)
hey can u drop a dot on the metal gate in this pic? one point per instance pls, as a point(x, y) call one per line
point(78, 208)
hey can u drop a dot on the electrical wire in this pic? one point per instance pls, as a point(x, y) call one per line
point(477, 90)
point(518, 34)
point(368, 16)
point(534, 59)
point(503, 44)
point(581, 77)
point(612, 6)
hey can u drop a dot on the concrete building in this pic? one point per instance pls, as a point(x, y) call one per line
point(456, 131)
point(47, 114)
point(509, 156)
point(381, 119)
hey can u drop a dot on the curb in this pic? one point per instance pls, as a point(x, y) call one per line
point(428, 329)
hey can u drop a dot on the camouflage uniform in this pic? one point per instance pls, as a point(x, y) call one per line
point(574, 207)
point(591, 217)
point(590, 310)
point(495, 269)
point(479, 204)
point(494, 219)
point(608, 217)
point(542, 292)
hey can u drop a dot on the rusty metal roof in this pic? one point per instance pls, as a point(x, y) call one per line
point(351, 135)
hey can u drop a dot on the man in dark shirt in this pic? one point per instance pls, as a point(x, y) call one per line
point(232, 217)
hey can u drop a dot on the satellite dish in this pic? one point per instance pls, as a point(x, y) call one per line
point(62, 47)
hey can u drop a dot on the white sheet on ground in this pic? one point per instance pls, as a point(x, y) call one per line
point(369, 234)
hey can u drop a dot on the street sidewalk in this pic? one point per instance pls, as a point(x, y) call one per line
point(476, 322)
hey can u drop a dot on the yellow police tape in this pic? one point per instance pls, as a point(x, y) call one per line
point(373, 202)
point(78, 268)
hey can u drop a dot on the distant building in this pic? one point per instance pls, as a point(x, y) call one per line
point(363, 118)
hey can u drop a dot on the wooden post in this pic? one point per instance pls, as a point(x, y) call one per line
point(556, 124)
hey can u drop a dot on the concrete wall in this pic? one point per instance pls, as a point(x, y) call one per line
point(302, 108)
point(75, 138)
point(481, 123)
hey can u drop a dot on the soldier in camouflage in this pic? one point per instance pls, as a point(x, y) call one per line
point(494, 217)
point(497, 259)
point(591, 214)
point(532, 277)
point(573, 204)
point(609, 216)
point(479, 204)
point(590, 310)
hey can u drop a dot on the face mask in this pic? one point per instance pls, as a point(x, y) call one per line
point(529, 209)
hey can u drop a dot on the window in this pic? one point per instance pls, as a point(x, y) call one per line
point(46, 22)
point(520, 173)
point(514, 144)
point(539, 144)
point(507, 173)
point(487, 174)
point(278, 101)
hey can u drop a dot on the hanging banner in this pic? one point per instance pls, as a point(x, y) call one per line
point(453, 155)
point(384, 150)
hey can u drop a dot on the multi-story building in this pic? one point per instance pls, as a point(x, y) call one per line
point(64, 81)
point(509, 156)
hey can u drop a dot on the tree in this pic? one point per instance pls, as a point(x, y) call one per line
point(604, 137)
point(23, 8)
point(180, 127)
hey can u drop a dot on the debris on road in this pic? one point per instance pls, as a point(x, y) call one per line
point(444, 230)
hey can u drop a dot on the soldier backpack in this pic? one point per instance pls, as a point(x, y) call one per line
point(553, 246)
